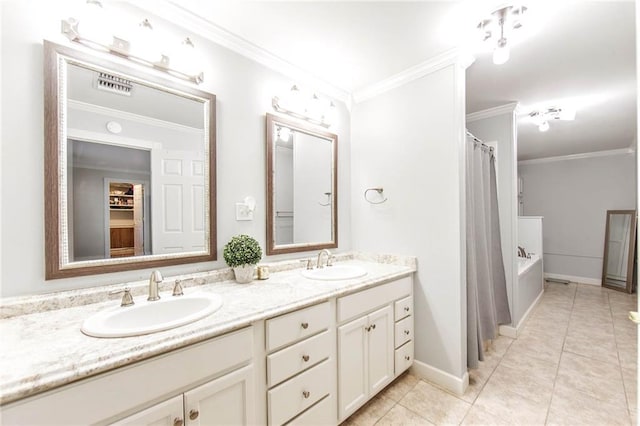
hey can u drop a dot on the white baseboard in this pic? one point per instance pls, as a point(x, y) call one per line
point(441, 378)
point(575, 279)
point(513, 332)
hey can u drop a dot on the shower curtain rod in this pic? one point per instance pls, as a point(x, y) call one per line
point(475, 139)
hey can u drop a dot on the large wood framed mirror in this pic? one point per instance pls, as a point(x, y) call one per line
point(302, 188)
point(129, 167)
point(618, 269)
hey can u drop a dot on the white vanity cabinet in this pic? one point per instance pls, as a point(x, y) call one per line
point(301, 366)
point(214, 378)
point(367, 337)
point(227, 400)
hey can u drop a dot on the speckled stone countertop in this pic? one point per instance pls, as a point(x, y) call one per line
point(43, 347)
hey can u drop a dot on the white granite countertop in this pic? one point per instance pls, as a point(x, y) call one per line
point(46, 349)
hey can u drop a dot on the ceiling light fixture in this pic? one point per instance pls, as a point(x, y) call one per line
point(308, 106)
point(143, 49)
point(542, 117)
point(498, 27)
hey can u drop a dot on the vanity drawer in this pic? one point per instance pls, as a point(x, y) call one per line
point(322, 413)
point(297, 325)
point(404, 331)
point(296, 395)
point(367, 300)
point(403, 308)
point(290, 361)
point(404, 357)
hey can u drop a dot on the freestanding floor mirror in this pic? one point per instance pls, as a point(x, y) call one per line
point(618, 266)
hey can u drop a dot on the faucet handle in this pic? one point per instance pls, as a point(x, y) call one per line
point(330, 260)
point(127, 299)
point(177, 288)
point(307, 263)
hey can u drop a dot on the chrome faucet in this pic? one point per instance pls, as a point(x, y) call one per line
point(319, 262)
point(154, 280)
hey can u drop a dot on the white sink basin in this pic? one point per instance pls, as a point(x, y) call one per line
point(149, 317)
point(333, 273)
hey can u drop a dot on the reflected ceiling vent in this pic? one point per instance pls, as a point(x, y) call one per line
point(114, 84)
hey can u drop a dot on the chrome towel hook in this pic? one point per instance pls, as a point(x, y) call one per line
point(380, 192)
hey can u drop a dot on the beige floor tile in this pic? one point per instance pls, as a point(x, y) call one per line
point(435, 405)
point(401, 416)
point(511, 406)
point(477, 379)
point(600, 380)
point(529, 385)
point(596, 347)
point(528, 365)
point(630, 380)
point(628, 359)
point(371, 412)
point(538, 348)
point(572, 407)
point(400, 387)
point(480, 417)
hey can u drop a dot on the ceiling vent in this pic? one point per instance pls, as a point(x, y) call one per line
point(114, 84)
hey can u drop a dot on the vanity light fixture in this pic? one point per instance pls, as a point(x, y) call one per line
point(309, 107)
point(544, 116)
point(497, 29)
point(143, 48)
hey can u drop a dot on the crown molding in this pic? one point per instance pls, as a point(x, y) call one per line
point(595, 154)
point(178, 15)
point(450, 57)
point(97, 109)
point(492, 112)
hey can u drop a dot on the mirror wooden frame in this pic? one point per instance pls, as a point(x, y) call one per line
point(53, 76)
point(272, 248)
point(631, 276)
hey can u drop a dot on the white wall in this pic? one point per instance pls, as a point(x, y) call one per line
point(574, 195)
point(410, 142)
point(244, 90)
point(499, 125)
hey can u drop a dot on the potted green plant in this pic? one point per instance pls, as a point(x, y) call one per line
point(242, 253)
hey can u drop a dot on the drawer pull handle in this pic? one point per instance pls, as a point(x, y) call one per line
point(178, 421)
point(193, 414)
point(306, 394)
point(368, 328)
point(305, 325)
point(407, 357)
point(373, 327)
point(406, 309)
point(305, 358)
point(406, 332)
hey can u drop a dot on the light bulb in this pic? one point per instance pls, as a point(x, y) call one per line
point(284, 134)
point(295, 101)
point(501, 52)
point(314, 108)
point(330, 114)
point(185, 58)
point(144, 44)
point(544, 126)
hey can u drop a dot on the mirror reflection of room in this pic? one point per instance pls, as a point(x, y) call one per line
point(618, 272)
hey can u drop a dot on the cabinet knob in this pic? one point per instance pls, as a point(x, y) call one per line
point(305, 358)
point(406, 332)
point(407, 357)
point(406, 309)
point(368, 328)
point(373, 327)
point(193, 414)
point(178, 422)
point(306, 394)
point(305, 325)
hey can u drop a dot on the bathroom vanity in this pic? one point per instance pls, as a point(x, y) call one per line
point(288, 350)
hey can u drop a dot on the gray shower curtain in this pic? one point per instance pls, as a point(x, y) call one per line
point(487, 303)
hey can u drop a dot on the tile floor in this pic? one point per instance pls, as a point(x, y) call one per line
point(574, 364)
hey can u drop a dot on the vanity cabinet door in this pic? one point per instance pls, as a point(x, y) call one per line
point(380, 349)
point(352, 366)
point(167, 413)
point(227, 400)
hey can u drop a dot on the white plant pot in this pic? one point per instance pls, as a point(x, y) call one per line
point(244, 274)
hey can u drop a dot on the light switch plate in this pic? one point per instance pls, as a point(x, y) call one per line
point(243, 212)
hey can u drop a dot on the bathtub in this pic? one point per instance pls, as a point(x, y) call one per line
point(525, 264)
point(527, 293)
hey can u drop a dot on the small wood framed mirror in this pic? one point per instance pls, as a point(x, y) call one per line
point(618, 266)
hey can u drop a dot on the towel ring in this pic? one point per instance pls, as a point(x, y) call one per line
point(380, 191)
